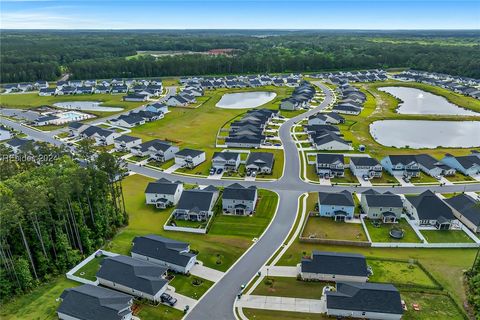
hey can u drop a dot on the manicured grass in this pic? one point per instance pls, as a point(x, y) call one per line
point(250, 226)
point(186, 285)
point(347, 178)
point(384, 179)
point(90, 269)
point(424, 178)
point(432, 306)
point(446, 236)
point(398, 273)
point(39, 304)
point(327, 228)
point(259, 314)
point(161, 311)
point(381, 233)
point(218, 250)
point(162, 165)
point(459, 177)
point(290, 287)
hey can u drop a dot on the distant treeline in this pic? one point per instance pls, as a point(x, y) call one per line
point(36, 55)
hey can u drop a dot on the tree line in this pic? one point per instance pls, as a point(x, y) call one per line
point(53, 213)
point(35, 55)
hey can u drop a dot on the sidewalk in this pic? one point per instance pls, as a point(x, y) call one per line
point(282, 304)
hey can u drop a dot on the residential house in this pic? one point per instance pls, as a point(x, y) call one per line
point(94, 303)
point(125, 143)
point(239, 200)
point(228, 161)
point(260, 162)
point(119, 89)
point(76, 128)
point(401, 165)
point(189, 158)
point(135, 97)
point(19, 144)
point(468, 165)
point(196, 204)
point(330, 165)
point(102, 137)
point(329, 140)
point(334, 266)
point(433, 167)
point(346, 109)
point(429, 210)
point(157, 108)
point(84, 90)
point(244, 141)
point(339, 205)
point(158, 150)
point(325, 118)
point(44, 92)
point(163, 193)
point(102, 89)
point(136, 277)
point(176, 101)
point(128, 121)
point(148, 116)
point(365, 167)
point(173, 254)
point(467, 210)
point(387, 207)
point(5, 133)
point(45, 120)
point(365, 301)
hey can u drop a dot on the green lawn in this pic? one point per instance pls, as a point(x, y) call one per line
point(327, 228)
point(90, 269)
point(424, 178)
point(459, 177)
point(384, 179)
point(398, 273)
point(432, 306)
point(290, 287)
point(381, 233)
point(39, 304)
point(162, 165)
point(190, 286)
point(347, 178)
point(446, 236)
point(250, 226)
point(259, 314)
point(218, 249)
point(161, 311)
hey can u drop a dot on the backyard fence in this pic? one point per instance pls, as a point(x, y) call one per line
point(70, 274)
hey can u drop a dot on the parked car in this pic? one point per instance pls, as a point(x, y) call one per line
point(166, 298)
point(212, 171)
point(219, 170)
point(366, 178)
point(277, 144)
point(254, 174)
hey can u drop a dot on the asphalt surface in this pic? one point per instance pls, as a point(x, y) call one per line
point(218, 302)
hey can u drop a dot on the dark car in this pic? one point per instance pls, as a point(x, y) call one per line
point(212, 171)
point(166, 298)
point(219, 170)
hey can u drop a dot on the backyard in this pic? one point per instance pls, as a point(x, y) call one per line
point(90, 270)
point(399, 272)
point(290, 287)
point(327, 228)
point(446, 236)
point(380, 232)
point(432, 306)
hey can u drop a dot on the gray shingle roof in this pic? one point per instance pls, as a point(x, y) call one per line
point(430, 207)
point(261, 159)
point(195, 198)
point(343, 198)
point(364, 161)
point(346, 264)
point(162, 186)
point(126, 138)
point(189, 152)
point(163, 249)
point(239, 192)
point(368, 297)
point(329, 158)
point(384, 200)
point(94, 303)
point(226, 155)
point(467, 206)
point(133, 273)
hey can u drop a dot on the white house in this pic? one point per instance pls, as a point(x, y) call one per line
point(163, 193)
point(125, 143)
point(239, 200)
point(429, 210)
point(189, 158)
point(365, 167)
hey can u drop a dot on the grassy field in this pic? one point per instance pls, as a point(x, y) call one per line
point(327, 228)
point(398, 273)
point(347, 178)
point(432, 306)
point(159, 312)
point(446, 236)
point(424, 178)
point(258, 314)
point(185, 285)
point(290, 287)
point(381, 233)
point(381, 106)
point(90, 269)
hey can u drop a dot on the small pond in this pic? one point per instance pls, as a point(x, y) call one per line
point(245, 100)
point(86, 106)
point(417, 134)
point(416, 101)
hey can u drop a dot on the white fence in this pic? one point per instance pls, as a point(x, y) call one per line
point(424, 245)
point(185, 229)
point(70, 274)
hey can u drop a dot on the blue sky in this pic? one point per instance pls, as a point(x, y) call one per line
point(238, 14)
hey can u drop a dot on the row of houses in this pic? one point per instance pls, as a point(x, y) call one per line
point(250, 130)
point(186, 96)
point(350, 100)
point(244, 81)
point(150, 112)
point(259, 162)
point(300, 98)
point(25, 86)
point(326, 136)
point(462, 85)
point(343, 77)
point(121, 278)
point(426, 209)
point(198, 204)
point(353, 296)
point(409, 166)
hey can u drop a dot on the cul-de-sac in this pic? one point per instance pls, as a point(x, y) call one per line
point(250, 174)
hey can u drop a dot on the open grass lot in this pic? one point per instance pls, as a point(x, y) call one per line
point(381, 233)
point(258, 314)
point(90, 269)
point(446, 236)
point(290, 287)
point(381, 106)
point(198, 128)
point(432, 306)
point(187, 286)
point(218, 249)
point(33, 100)
point(327, 228)
point(38, 304)
point(250, 226)
point(159, 312)
point(399, 273)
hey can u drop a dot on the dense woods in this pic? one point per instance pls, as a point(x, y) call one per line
point(44, 55)
point(473, 281)
point(53, 212)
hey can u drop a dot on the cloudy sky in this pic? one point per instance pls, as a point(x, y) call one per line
point(239, 14)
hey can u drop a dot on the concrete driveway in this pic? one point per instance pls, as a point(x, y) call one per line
point(282, 304)
point(206, 273)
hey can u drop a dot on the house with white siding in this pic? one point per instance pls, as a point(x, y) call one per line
point(239, 200)
point(189, 158)
point(163, 193)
